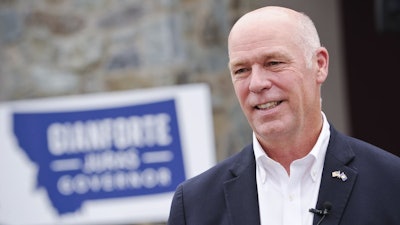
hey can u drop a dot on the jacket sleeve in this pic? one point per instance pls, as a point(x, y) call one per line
point(177, 212)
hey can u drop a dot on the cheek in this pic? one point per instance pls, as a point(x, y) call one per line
point(241, 90)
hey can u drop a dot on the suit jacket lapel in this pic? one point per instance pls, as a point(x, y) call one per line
point(333, 188)
point(241, 191)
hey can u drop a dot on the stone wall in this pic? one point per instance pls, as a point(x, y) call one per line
point(68, 47)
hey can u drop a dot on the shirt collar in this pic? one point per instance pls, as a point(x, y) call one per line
point(317, 152)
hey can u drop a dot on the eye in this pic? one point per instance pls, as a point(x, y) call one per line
point(273, 63)
point(240, 71)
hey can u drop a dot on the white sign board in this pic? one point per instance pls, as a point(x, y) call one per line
point(107, 158)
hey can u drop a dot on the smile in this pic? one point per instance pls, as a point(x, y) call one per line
point(268, 105)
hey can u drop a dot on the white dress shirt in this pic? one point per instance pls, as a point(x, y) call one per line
point(284, 199)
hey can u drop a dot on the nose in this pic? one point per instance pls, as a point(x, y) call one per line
point(259, 80)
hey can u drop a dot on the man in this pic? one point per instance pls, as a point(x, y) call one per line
point(297, 160)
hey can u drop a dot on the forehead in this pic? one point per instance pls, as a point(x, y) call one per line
point(261, 34)
point(262, 46)
point(262, 20)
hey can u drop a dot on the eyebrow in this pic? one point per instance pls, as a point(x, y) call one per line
point(235, 63)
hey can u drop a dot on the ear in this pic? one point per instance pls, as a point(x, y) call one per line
point(322, 57)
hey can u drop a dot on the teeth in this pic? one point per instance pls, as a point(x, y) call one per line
point(267, 105)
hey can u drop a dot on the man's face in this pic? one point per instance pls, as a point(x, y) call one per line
point(276, 89)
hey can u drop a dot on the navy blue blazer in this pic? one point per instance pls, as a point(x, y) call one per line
point(227, 193)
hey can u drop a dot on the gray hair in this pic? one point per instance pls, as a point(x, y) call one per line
point(307, 37)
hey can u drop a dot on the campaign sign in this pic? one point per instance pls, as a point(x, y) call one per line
point(105, 153)
point(116, 155)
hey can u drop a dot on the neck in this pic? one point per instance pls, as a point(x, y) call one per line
point(289, 149)
point(285, 156)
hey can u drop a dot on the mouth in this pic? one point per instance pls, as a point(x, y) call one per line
point(268, 105)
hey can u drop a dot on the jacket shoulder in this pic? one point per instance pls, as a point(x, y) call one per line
point(223, 170)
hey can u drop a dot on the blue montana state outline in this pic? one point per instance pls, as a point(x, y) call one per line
point(102, 154)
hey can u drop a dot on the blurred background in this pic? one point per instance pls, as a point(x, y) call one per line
point(54, 48)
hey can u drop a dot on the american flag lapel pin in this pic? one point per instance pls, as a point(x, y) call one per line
point(340, 175)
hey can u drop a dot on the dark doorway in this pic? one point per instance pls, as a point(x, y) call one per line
point(372, 51)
